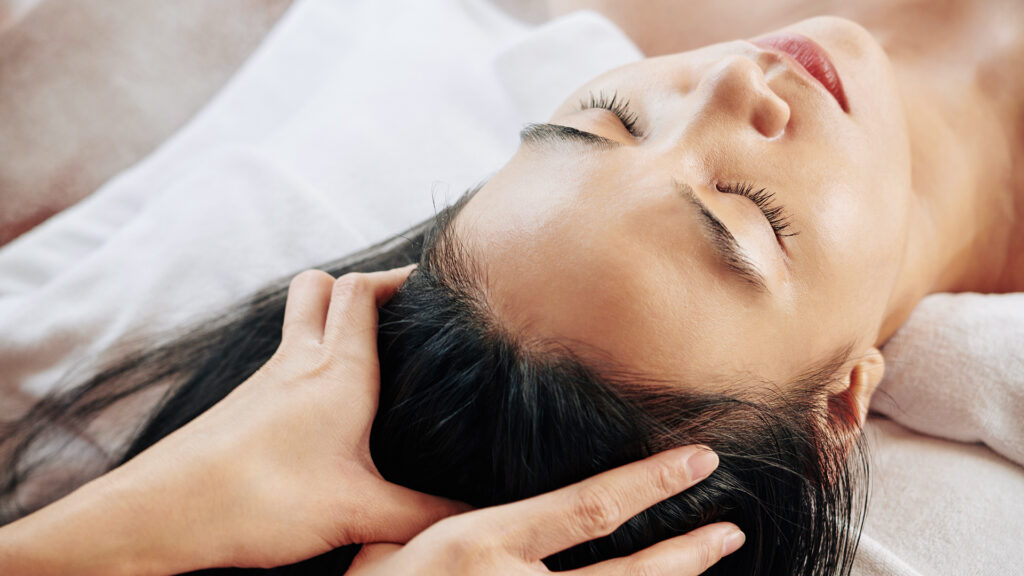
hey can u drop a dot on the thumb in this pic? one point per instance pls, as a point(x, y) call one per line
point(399, 513)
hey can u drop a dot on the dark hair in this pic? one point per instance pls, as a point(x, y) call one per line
point(473, 412)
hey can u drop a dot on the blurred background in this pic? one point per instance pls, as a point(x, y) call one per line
point(89, 87)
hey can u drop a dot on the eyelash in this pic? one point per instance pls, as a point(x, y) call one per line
point(617, 106)
point(764, 200)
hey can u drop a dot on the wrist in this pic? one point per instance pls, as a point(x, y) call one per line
point(164, 515)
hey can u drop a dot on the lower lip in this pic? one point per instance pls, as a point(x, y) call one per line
point(813, 58)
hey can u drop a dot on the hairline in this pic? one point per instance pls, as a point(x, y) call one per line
point(462, 272)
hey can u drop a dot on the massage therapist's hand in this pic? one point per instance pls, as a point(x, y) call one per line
point(285, 458)
point(276, 472)
point(512, 539)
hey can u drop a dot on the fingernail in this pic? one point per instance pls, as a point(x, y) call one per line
point(702, 463)
point(732, 542)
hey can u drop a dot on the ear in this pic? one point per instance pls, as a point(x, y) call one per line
point(862, 381)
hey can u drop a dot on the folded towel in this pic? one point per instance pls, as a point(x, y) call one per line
point(956, 370)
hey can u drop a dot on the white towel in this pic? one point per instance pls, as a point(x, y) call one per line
point(956, 370)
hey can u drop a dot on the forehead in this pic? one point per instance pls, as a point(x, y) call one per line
point(603, 256)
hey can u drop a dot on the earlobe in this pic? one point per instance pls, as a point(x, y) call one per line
point(865, 377)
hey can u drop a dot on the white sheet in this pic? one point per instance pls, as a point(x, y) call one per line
point(345, 126)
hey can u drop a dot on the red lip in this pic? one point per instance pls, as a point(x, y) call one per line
point(813, 58)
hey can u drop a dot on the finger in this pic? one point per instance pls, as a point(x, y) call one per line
point(595, 507)
point(398, 513)
point(305, 311)
point(370, 555)
point(390, 282)
point(687, 555)
point(352, 315)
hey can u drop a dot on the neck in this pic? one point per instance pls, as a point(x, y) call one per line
point(966, 231)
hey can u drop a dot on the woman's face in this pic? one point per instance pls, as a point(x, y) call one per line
point(643, 246)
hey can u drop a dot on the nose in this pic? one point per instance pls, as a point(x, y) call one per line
point(736, 86)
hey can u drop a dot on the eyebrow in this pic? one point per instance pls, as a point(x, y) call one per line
point(538, 134)
point(723, 242)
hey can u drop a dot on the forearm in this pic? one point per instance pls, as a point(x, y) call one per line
point(115, 524)
point(87, 532)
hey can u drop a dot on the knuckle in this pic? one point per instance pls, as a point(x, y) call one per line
point(350, 285)
point(664, 477)
point(645, 567)
point(705, 554)
point(461, 533)
point(596, 511)
point(309, 278)
point(454, 525)
point(457, 547)
point(467, 546)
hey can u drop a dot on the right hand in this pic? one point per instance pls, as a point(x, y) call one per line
point(513, 538)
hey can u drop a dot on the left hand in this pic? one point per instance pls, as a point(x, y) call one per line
point(280, 469)
point(512, 539)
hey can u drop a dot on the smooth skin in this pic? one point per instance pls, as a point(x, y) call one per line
point(594, 246)
point(280, 470)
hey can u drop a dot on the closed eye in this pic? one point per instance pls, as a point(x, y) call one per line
point(723, 242)
point(617, 106)
point(773, 212)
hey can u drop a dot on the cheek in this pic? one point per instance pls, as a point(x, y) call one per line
point(883, 139)
point(875, 207)
point(861, 240)
point(862, 211)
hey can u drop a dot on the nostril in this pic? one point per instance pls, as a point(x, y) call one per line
point(770, 115)
point(768, 61)
point(738, 87)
